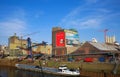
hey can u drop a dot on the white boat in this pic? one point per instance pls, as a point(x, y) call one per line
point(62, 70)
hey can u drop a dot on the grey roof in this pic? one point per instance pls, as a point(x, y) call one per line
point(103, 46)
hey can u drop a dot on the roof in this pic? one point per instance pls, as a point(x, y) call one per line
point(103, 46)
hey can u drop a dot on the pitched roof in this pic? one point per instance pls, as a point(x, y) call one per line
point(103, 46)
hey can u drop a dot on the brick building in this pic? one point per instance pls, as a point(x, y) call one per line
point(64, 41)
point(96, 50)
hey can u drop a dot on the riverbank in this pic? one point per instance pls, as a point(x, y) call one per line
point(95, 67)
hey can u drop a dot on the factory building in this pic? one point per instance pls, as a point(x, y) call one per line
point(94, 50)
point(14, 42)
point(18, 46)
point(63, 39)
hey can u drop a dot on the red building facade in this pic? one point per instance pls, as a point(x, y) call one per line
point(60, 39)
point(58, 42)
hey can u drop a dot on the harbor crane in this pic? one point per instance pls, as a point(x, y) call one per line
point(27, 35)
point(29, 47)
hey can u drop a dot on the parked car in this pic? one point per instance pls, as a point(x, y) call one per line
point(70, 59)
point(88, 59)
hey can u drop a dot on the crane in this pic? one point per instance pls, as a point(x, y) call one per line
point(27, 35)
point(29, 47)
point(105, 33)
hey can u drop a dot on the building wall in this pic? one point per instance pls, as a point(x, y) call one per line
point(59, 51)
point(15, 42)
point(72, 37)
point(54, 30)
point(3, 49)
point(71, 49)
point(87, 48)
point(64, 41)
point(58, 41)
point(44, 49)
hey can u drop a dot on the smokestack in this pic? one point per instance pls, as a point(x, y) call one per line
point(110, 39)
point(114, 39)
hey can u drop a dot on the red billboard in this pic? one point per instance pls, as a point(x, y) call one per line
point(60, 39)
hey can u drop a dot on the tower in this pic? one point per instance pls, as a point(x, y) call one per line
point(58, 42)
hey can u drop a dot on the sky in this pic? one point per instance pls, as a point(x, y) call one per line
point(36, 18)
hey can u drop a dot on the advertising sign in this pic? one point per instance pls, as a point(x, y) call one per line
point(72, 37)
point(60, 39)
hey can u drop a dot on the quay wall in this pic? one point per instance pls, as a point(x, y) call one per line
point(86, 69)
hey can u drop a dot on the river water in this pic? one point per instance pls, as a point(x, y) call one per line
point(14, 72)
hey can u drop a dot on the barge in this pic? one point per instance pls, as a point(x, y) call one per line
point(62, 70)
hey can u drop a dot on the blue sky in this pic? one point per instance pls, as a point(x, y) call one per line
point(38, 17)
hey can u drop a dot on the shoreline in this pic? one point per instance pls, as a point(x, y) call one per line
point(101, 68)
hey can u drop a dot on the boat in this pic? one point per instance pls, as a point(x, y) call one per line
point(28, 67)
point(62, 70)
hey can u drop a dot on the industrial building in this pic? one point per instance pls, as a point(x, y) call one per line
point(14, 42)
point(18, 46)
point(63, 39)
point(93, 50)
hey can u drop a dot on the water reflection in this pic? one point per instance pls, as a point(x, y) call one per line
point(13, 72)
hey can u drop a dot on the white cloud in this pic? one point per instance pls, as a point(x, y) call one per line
point(83, 17)
point(90, 23)
point(12, 22)
point(83, 24)
point(12, 26)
